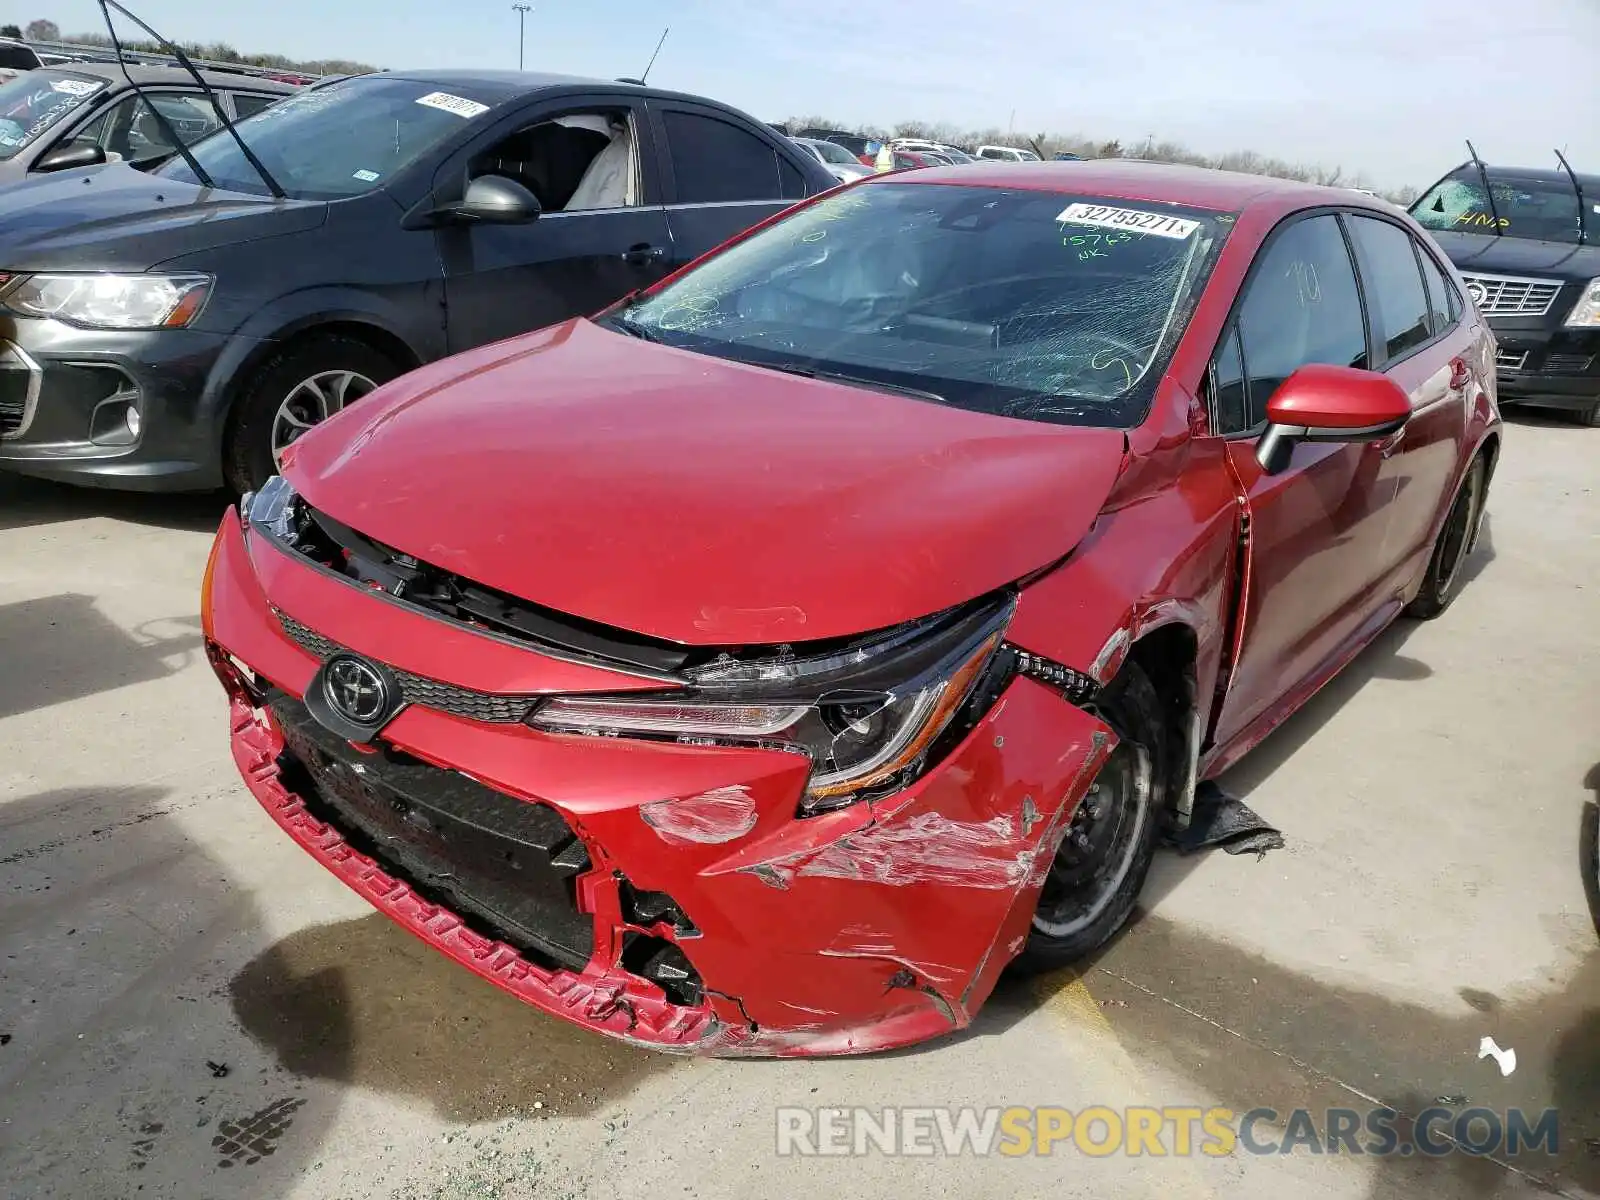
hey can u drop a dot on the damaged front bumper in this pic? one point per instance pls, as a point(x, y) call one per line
point(668, 894)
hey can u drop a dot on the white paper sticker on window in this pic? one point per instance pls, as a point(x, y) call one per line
point(74, 87)
point(1133, 220)
point(367, 176)
point(459, 105)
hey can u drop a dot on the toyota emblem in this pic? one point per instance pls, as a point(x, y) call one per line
point(357, 691)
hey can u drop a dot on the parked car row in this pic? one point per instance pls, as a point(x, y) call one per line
point(180, 327)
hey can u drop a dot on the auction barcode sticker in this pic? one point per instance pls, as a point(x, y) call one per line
point(460, 105)
point(1132, 219)
point(75, 87)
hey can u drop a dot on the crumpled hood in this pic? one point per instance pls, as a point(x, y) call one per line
point(694, 499)
point(117, 218)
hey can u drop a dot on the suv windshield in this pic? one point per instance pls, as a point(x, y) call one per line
point(335, 141)
point(834, 153)
point(1038, 305)
point(30, 104)
point(1544, 211)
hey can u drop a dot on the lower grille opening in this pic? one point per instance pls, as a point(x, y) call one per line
point(507, 867)
point(647, 908)
point(664, 965)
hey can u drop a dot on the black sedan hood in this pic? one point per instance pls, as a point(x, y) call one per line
point(117, 218)
point(1491, 255)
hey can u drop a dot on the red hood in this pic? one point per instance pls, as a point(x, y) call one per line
point(699, 500)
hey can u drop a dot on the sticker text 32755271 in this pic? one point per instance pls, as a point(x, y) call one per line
point(1133, 220)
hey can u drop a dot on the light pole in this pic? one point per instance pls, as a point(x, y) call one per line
point(522, 11)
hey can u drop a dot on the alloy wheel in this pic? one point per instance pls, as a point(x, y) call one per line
point(313, 401)
point(1101, 843)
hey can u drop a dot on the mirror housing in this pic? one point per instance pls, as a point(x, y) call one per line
point(495, 200)
point(1321, 403)
point(65, 158)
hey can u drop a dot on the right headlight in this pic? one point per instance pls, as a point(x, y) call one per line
point(866, 715)
point(1585, 313)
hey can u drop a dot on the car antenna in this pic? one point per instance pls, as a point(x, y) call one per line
point(1583, 235)
point(652, 61)
point(161, 117)
point(183, 60)
point(1483, 174)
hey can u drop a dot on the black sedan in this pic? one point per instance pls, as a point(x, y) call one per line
point(178, 329)
point(53, 119)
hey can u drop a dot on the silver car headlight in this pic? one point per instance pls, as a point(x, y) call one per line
point(1585, 313)
point(110, 301)
point(867, 714)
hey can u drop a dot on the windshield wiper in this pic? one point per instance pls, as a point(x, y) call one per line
point(632, 328)
point(216, 104)
point(897, 389)
point(1483, 174)
point(1583, 224)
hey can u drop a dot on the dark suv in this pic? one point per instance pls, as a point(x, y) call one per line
point(1528, 246)
point(178, 329)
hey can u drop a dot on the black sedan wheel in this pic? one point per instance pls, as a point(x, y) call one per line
point(296, 390)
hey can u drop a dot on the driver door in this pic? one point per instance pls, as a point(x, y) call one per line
point(1316, 537)
point(602, 232)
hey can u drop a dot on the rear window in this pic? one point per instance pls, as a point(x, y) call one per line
point(1036, 305)
point(1542, 211)
point(32, 104)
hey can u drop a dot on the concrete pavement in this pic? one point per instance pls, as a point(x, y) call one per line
point(190, 1008)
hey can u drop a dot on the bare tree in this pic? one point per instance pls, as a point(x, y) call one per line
point(43, 31)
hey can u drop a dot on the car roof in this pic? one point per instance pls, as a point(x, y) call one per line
point(510, 85)
point(164, 76)
point(1131, 179)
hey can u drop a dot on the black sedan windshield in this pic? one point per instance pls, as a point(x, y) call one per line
point(1027, 304)
point(34, 102)
point(336, 141)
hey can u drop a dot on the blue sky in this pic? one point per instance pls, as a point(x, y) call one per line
point(1388, 87)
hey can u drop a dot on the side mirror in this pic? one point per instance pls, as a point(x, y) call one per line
point(1321, 403)
point(496, 200)
point(65, 158)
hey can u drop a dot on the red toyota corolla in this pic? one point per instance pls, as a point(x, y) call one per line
point(766, 664)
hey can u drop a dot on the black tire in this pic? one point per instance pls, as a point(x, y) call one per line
point(1591, 418)
point(1453, 546)
point(258, 424)
point(1091, 889)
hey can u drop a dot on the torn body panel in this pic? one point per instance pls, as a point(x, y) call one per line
point(874, 926)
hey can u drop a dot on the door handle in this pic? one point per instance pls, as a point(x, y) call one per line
point(643, 254)
point(1460, 375)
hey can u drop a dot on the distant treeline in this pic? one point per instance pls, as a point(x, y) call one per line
point(1047, 145)
point(222, 52)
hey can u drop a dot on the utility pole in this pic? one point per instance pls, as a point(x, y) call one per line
point(522, 11)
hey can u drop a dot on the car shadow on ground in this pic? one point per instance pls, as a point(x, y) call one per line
point(1547, 418)
point(122, 1070)
point(29, 502)
point(60, 648)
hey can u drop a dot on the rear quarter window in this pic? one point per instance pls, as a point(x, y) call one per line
point(715, 161)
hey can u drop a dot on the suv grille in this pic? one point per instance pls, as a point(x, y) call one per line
point(1512, 296)
point(510, 863)
point(1511, 360)
point(419, 689)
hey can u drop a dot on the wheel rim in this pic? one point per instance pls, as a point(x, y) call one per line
point(1101, 843)
point(1458, 534)
point(312, 401)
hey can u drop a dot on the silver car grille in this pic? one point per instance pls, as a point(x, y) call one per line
point(1512, 296)
point(1511, 360)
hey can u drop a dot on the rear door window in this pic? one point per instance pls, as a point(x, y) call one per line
point(1444, 307)
point(1394, 287)
point(716, 162)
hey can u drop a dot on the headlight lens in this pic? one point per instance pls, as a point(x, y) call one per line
point(1586, 312)
point(110, 301)
point(273, 508)
point(866, 715)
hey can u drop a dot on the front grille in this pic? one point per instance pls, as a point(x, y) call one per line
point(1512, 296)
point(419, 689)
point(1568, 364)
point(1511, 360)
point(20, 379)
point(507, 866)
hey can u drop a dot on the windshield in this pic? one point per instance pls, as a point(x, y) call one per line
point(834, 153)
point(1039, 305)
point(30, 104)
point(1542, 211)
point(335, 141)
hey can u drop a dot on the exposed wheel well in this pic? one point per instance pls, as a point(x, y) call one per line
point(1491, 455)
point(1168, 656)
